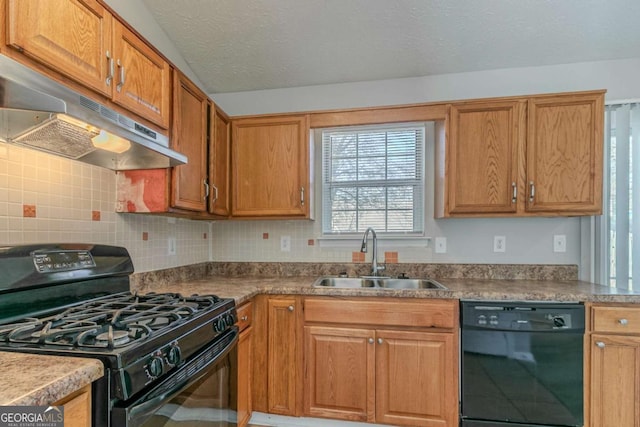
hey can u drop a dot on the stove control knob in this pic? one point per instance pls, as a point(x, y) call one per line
point(230, 320)
point(219, 325)
point(174, 355)
point(155, 367)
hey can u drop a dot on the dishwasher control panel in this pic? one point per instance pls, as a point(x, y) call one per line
point(523, 316)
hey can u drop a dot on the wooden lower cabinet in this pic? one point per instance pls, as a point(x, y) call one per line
point(277, 355)
point(615, 381)
point(244, 364)
point(614, 377)
point(415, 373)
point(339, 373)
point(244, 377)
point(77, 408)
point(380, 374)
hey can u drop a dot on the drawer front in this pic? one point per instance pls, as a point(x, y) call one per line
point(425, 313)
point(618, 319)
point(245, 315)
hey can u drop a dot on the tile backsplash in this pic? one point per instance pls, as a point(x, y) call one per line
point(49, 199)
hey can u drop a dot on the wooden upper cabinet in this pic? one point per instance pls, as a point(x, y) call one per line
point(530, 156)
point(219, 161)
point(71, 36)
point(82, 41)
point(142, 80)
point(270, 166)
point(484, 144)
point(189, 137)
point(564, 153)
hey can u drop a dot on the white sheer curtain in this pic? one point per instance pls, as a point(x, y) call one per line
point(619, 227)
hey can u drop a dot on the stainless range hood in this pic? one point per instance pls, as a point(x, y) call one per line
point(39, 113)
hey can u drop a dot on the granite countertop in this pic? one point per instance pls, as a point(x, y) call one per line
point(30, 379)
point(243, 288)
point(41, 380)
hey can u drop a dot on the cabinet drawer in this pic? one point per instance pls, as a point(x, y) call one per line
point(620, 319)
point(245, 315)
point(426, 313)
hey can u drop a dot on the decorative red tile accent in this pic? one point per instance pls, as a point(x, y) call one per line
point(357, 256)
point(145, 235)
point(95, 215)
point(391, 257)
point(29, 211)
point(311, 242)
point(265, 236)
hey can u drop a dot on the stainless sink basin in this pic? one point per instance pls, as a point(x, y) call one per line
point(377, 282)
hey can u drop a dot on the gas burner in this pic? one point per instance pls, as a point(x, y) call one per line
point(109, 337)
point(117, 337)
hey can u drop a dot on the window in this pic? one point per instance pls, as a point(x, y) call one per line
point(373, 177)
point(620, 226)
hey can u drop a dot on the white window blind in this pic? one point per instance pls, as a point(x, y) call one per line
point(373, 177)
point(621, 217)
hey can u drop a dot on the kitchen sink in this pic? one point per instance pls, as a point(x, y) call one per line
point(377, 282)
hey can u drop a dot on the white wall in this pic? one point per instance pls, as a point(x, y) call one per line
point(620, 78)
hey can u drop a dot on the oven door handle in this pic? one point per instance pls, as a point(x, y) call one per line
point(139, 412)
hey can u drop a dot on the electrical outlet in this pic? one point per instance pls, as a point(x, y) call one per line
point(285, 243)
point(441, 245)
point(559, 243)
point(171, 246)
point(499, 243)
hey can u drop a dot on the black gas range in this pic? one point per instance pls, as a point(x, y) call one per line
point(74, 300)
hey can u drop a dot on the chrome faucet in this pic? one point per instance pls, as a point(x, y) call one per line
point(375, 268)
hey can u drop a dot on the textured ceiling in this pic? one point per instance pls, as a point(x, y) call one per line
point(238, 45)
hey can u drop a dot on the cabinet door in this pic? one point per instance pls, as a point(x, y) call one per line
point(339, 373)
point(282, 360)
point(189, 137)
point(485, 141)
point(142, 77)
point(564, 153)
point(270, 166)
point(615, 381)
point(72, 37)
point(244, 377)
point(77, 408)
point(219, 159)
point(416, 379)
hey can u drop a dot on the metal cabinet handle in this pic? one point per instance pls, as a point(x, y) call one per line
point(370, 340)
point(215, 192)
point(514, 194)
point(379, 340)
point(532, 191)
point(122, 76)
point(111, 69)
point(600, 344)
point(244, 318)
point(623, 322)
point(206, 188)
point(302, 196)
point(290, 308)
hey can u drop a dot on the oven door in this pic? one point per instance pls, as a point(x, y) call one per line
point(197, 394)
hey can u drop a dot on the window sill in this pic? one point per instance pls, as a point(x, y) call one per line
point(354, 242)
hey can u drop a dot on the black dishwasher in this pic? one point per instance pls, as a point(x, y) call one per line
point(521, 364)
